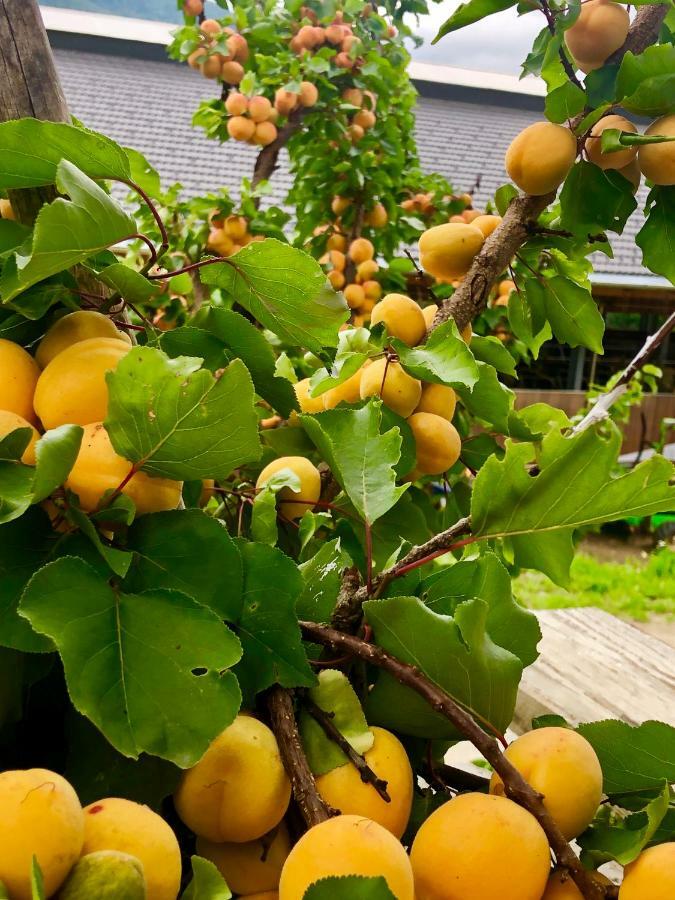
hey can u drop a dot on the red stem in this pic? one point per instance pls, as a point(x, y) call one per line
point(431, 556)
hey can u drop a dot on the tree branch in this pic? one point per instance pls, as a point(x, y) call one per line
point(644, 30)
point(515, 786)
point(266, 162)
point(312, 807)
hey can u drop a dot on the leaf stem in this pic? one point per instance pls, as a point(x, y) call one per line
point(158, 219)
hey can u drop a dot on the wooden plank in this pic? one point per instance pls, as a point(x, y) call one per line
point(594, 666)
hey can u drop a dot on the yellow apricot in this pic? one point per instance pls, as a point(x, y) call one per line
point(372, 290)
point(6, 211)
point(265, 134)
point(9, 422)
point(240, 129)
point(337, 241)
point(73, 328)
point(239, 790)
point(219, 242)
point(118, 824)
point(657, 161)
point(343, 789)
point(232, 71)
point(309, 94)
point(252, 866)
point(437, 443)
point(365, 119)
point(593, 144)
point(539, 158)
point(487, 224)
point(338, 260)
point(306, 402)
point(347, 392)
point(438, 399)
point(310, 485)
point(353, 96)
point(340, 205)
point(40, 816)
point(377, 217)
point(429, 313)
point(259, 108)
point(402, 317)
point(447, 251)
point(72, 388)
point(236, 103)
point(367, 269)
point(346, 845)
point(354, 295)
point(601, 29)
point(471, 215)
point(632, 173)
point(360, 250)
point(235, 227)
point(562, 766)
point(480, 847)
point(19, 375)
point(652, 875)
point(561, 887)
point(99, 469)
point(398, 390)
point(337, 279)
point(505, 287)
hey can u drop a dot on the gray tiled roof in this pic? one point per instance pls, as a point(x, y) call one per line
point(148, 104)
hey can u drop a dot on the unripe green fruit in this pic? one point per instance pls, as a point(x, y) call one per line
point(106, 875)
point(181, 284)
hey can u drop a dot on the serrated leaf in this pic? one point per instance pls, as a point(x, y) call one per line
point(322, 576)
point(573, 313)
point(349, 887)
point(443, 359)
point(207, 883)
point(473, 11)
point(455, 652)
point(285, 289)
point(646, 83)
point(656, 238)
point(361, 458)
point(166, 691)
point(633, 757)
point(593, 199)
point(176, 420)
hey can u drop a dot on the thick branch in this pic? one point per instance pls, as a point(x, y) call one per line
point(644, 30)
point(266, 163)
point(312, 807)
point(515, 786)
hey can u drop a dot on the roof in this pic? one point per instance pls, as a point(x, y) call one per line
point(126, 88)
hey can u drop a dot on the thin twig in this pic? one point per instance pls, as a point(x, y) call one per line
point(158, 219)
point(566, 64)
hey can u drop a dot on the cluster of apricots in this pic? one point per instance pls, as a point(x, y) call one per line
point(338, 34)
point(65, 384)
point(235, 800)
point(364, 290)
point(254, 119)
point(364, 118)
point(228, 234)
point(221, 53)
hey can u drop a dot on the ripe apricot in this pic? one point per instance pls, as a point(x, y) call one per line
point(211, 67)
point(657, 161)
point(343, 789)
point(240, 128)
point(447, 251)
point(285, 101)
point(196, 58)
point(250, 867)
point(487, 224)
point(40, 816)
point(346, 845)
point(355, 133)
point(210, 27)
point(470, 215)
point(632, 173)
point(259, 108)
point(602, 27)
point(651, 875)
point(457, 218)
point(9, 422)
point(365, 118)
point(593, 144)
point(347, 392)
point(479, 846)
point(372, 290)
point(429, 313)
point(265, 134)
point(539, 158)
point(306, 37)
point(337, 259)
point(398, 390)
point(562, 766)
point(309, 94)
point(235, 227)
point(437, 443)
point(367, 269)
point(360, 250)
point(310, 487)
point(354, 295)
point(377, 217)
point(238, 47)
point(193, 7)
point(6, 211)
point(402, 317)
point(506, 287)
point(306, 402)
point(117, 824)
point(337, 279)
point(72, 388)
point(334, 34)
point(99, 469)
point(340, 205)
point(72, 328)
point(215, 798)
point(337, 241)
point(438, 399)
point(561, 887)
point(19, 375)
point(353, 96)
point(219, 242)
point(232, 71)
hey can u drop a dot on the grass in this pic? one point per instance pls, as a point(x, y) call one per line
point(632, 588)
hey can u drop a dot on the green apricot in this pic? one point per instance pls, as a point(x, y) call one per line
point(106, 875)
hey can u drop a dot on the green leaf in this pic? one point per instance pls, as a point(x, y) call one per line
point(646, 83)
point(207, 882)
point(264, 516)
point(503, 197)
point(285, 289)
point(572, 312)
point(633, 757)
point(190, 552)
point(361, 458)
point(176, 420)
point(349, 887)
point(143, 173)
point(55, 454)
point(32, 150)
point(443, 359)
point(37, 887)
point(656, 238)
point(493, 402)
point(117, 560)
point(186, 340)
point(162, 690)
point(12, 234)
point(66, 232)
point(455, 652)
point(491, 350)
point(133, 286)
point(613, 139)
point(322, 575)
point(355, 346)
point(564, 102)
point(473, 11)
point(574, 488)
point(593, 199)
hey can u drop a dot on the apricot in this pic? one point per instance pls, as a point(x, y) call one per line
point(232, 71)
point(364, 118)
point(343, 789)
point(265, 134)
point(239, 790)
point(337, 279)
point(196, 58)
point(118, 824)
point(19, 374)
point(106, 875)
point(240, 128)
point(340, 205)
point(210, 27)
point(310, 485)
point(562, 766)
point(72, 388)
point(306, 402)
point(593, 144)
point(99, 469)
point(250, 867)
point(506, 287)
point(402, 317)
point(337, 241)
point(378, 216)
point(398, 390)
point(437, 443)
point(657, 161)
point(72, 328)
point(212, 66)
point(560, 885)
point(429, 313)
point(487, 224)
point(353, 96)
point(651, 875)
point(346, 845)
point(355, 133)
point(372, 290)
point(309, 94)
point(602, 27)
point(367, 269)
point(40, 816)
point(236, 103)
point(259, 108)
point(6, 211)
point(347, 392)
point(238, 47)
point(360, 250)
point(470, 215)
point(482, 847)
point(354, 295)
point(539, 158)
point(632, 173)
point(337, 259)
point(235, 227)
point(9, 422)
point(438, 399)
point(285, 101)
point(193, 7)
point(218, 241)
point(447, 251)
